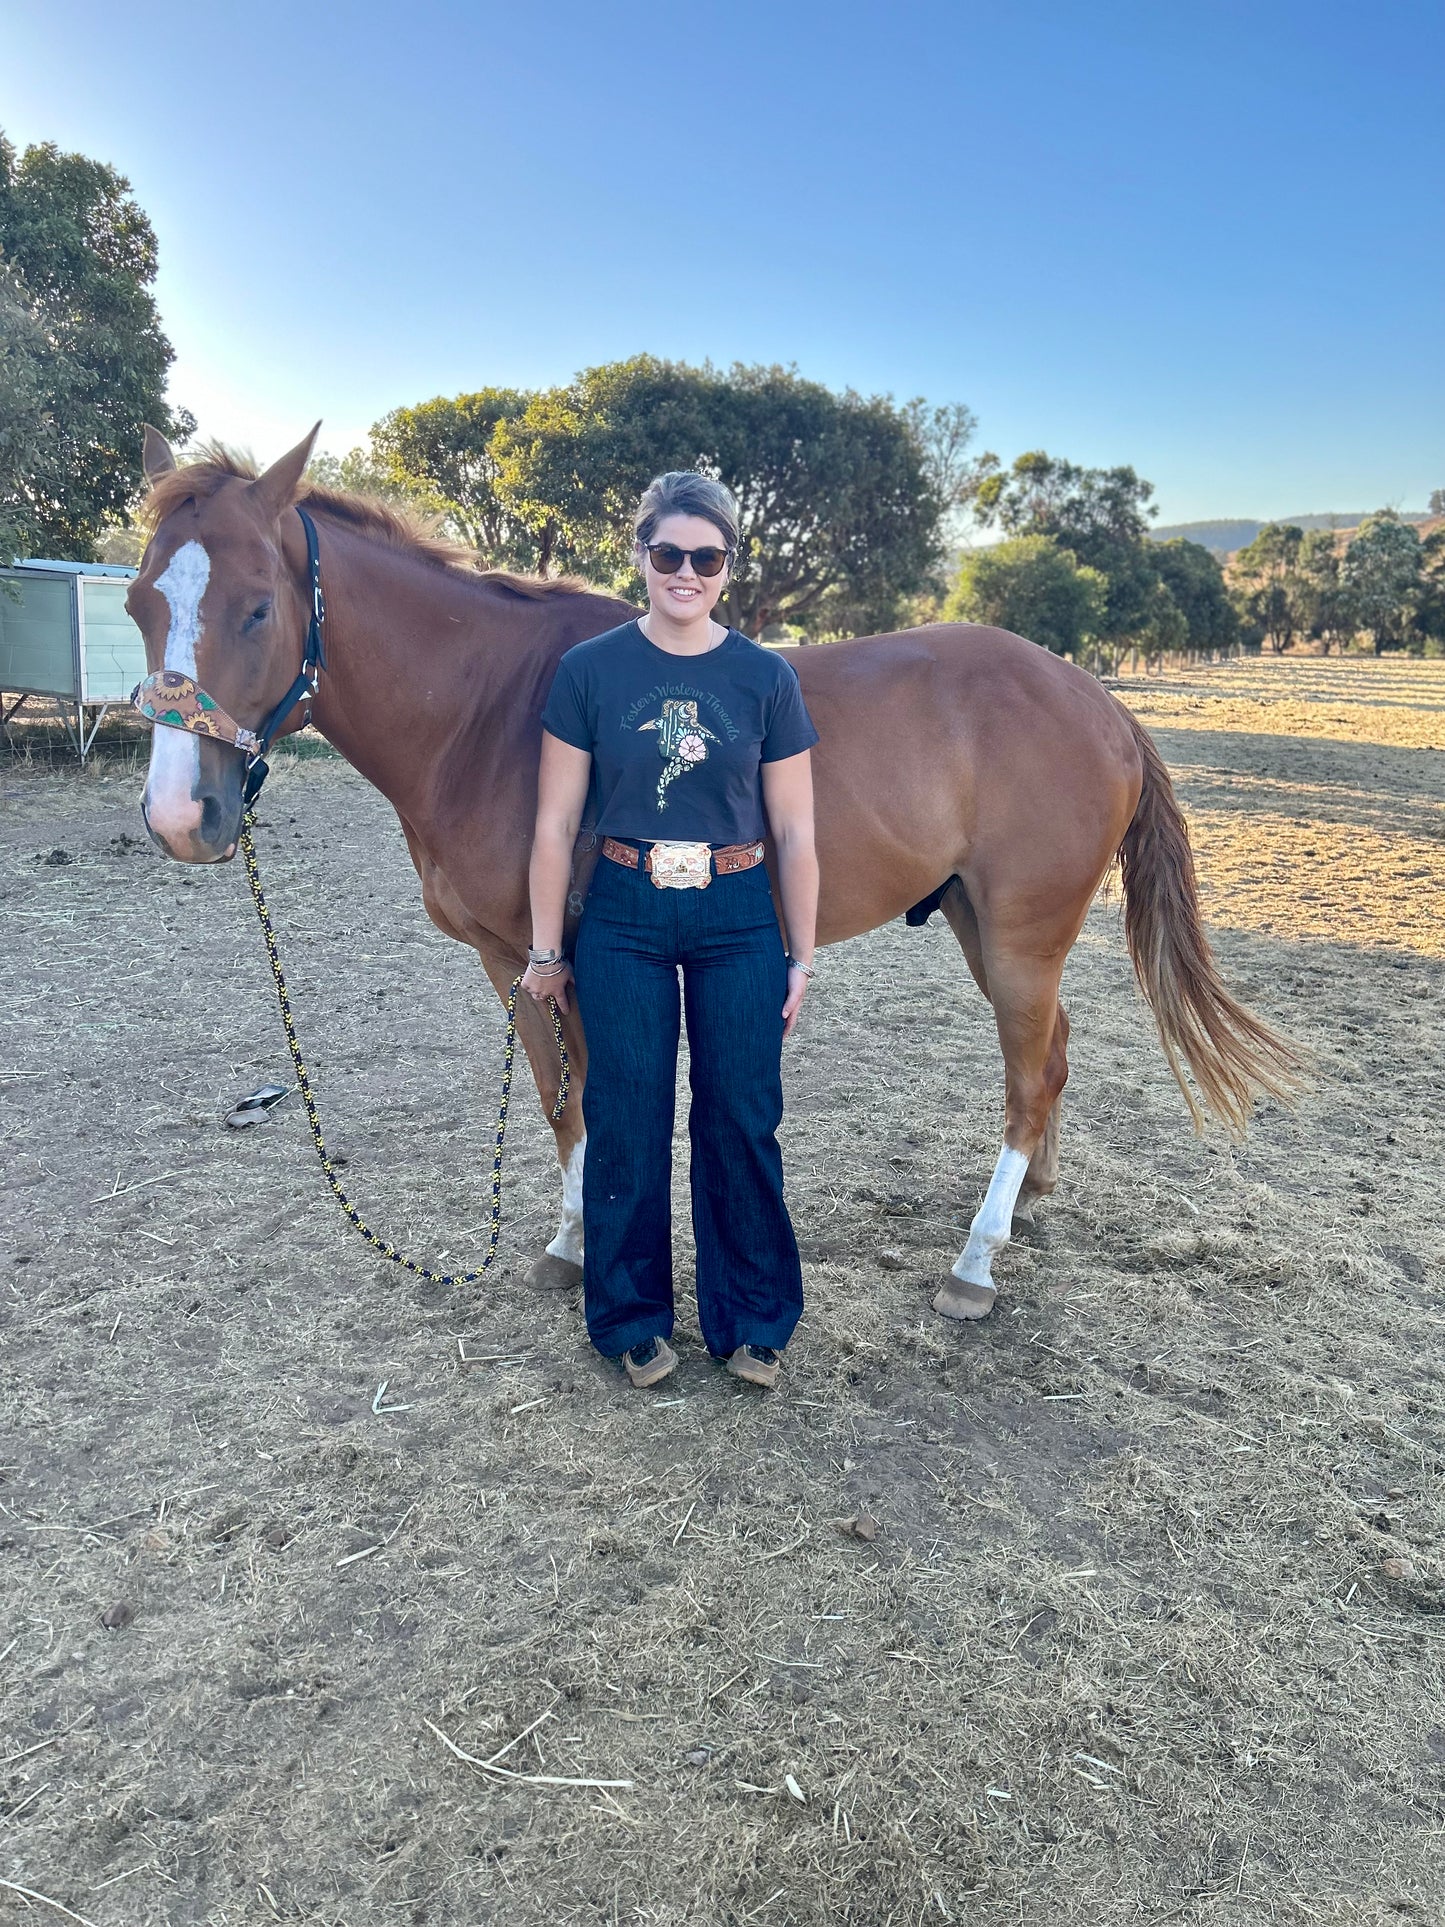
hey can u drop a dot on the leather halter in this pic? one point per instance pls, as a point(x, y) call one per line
point(176, 701)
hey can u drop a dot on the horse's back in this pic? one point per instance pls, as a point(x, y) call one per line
point(957, 749)
point(1000, 677)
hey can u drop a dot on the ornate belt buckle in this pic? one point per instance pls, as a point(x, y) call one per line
point(681, 866)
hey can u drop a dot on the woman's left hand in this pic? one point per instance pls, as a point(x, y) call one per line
point(797, 991)
point(554, 984)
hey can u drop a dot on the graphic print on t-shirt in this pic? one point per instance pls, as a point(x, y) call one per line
point(681, 741)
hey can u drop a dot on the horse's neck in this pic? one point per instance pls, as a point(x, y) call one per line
point(433, 691)
point(413, 663)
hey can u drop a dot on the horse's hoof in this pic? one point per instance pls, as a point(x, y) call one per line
point(955, 1299)
point(1023, 1210)
point(554, 1274)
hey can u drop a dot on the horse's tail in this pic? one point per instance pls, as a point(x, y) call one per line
point(1229, 1052)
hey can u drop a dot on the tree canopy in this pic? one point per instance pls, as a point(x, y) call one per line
point(1034, 587)
point(1381, 571)
point(1269, 584)
point(1288, 584)
point(1430, 604)
point(839, 511)
point(27, 430)
point(445, 450)
point(945, 432)
point(1101, 515)
point(1323, 604)
point(1196, 585)
point(80, 334)
point(360, 472)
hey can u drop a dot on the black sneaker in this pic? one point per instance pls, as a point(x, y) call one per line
point(649, 1362)
point(758, 1364)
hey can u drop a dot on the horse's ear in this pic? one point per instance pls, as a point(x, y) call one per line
point(157, 456)
point(276, 489)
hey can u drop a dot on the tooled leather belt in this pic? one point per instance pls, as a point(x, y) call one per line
point(684, 866)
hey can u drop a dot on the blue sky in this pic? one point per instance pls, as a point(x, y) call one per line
point(1206, 240)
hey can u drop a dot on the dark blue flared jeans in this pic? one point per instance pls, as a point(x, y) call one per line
point(633, 941)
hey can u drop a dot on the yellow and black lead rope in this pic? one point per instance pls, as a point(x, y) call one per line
point(303, 1084)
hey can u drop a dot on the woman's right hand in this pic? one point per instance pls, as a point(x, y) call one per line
point(540, 988)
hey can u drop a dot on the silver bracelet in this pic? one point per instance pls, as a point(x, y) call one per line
point(549, 969)
point(543, 956)
point(808, 970)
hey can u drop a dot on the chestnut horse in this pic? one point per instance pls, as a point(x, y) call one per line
point(957, 767)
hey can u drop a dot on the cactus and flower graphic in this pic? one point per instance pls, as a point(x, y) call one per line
point(681, 741)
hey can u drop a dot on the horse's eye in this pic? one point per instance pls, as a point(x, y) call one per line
point(259, 614)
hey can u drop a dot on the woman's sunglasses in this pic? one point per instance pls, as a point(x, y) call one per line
point(667, 558)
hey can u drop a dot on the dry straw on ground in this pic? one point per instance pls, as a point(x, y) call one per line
point(1151, 1626)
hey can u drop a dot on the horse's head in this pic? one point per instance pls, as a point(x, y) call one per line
point(216, 602)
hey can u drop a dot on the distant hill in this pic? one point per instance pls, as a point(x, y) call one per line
point(1225, 536)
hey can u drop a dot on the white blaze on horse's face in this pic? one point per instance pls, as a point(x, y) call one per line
point(183, 585)
point(171, 805)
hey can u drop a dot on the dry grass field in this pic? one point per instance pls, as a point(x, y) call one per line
point(1153, 1626)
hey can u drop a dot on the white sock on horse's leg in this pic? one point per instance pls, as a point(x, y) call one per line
point(989, 1232)
point(568, 1241)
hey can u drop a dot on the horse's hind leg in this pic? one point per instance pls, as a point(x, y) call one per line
point(964, 924)
point(1025, 997)
point(1043, 1170)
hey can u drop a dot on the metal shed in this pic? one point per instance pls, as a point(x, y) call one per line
point(64, 633)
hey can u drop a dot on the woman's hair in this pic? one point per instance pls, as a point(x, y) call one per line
point(684, 492)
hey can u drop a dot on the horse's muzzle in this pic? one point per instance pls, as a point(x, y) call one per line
point(186, 845)
point(192, 804)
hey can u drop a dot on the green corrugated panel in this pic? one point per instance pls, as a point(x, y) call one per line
point(112, 654)
point(35, 634)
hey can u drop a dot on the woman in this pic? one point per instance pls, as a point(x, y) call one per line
point(695, 744)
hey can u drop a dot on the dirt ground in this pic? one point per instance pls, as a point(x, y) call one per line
point(1153, 1627)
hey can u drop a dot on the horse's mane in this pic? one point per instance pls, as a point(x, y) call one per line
point(398, 528)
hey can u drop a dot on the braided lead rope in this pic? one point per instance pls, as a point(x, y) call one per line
point(303, 1084)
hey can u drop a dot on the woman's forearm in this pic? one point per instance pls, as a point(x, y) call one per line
point(562, 777)
point(548, 878)
point(798, 887)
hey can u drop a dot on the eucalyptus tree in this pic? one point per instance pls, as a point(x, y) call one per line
point(1269, 584)
point(443, 453)
point(1034, 587)
point(840, 514)
point(1101, 515)
point(79, 322)
point(1382, 573)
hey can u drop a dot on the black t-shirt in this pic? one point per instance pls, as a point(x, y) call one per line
point(677, 742)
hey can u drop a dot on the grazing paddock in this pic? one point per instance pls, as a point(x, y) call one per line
point(1153, 1625)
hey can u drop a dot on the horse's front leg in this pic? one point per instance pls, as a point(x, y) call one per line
point(559, 1267)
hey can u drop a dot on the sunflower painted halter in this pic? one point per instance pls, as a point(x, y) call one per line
point(173, 699)
point(177, 701)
